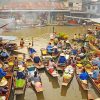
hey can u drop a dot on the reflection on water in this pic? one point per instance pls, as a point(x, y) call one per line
point(53, 80)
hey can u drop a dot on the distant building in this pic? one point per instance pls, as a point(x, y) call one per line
point(92, 7)
point(73, 5)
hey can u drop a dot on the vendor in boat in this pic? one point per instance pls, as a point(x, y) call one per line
point(68, 45)
point(55, 50)
point(84, 76)
point(59, 45)
point(74, 51)
point(96, 61)
point(49, 48)
point(51, 65)
point(95, 74)
point(30, 49)
point(62, 59)
point(2, 73)
point(36, 59)
point(36, 77)
point(4, 55)
point(82, 52)
point(21, 73)
point(21, 43)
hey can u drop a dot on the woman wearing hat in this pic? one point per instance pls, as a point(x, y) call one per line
point(2, 73)
point(62, 59)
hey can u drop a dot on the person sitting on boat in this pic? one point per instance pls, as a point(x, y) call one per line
point(21, 43)
point(74, 51)
point(21, 73)
point(55, 50)
point(36, 81)
point(49, 48)
point(4, 54)
point(2, 73)
point(84, 76)
point(36, 59)
point(36, 77)
point(82, 52)
point(62, 59)
point(51, 65)
point(95, 74)
point(68, 45)
point(59, 45)
point(30, 49)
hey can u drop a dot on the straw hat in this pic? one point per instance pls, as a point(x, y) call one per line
point(10, 63)
point(20, 57)
point(67, 41)
point(62, 54)
point(21, 69)
point(3, 82)
point(79, 65)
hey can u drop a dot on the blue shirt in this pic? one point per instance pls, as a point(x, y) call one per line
point(2, 73)
point(74, 52)
point(4, 54)
point(62, 59)
point(84, 76)
point(95, 74)
point(49, 48)
point(36, 59)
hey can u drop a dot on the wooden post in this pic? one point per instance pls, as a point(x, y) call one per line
point(32, 41)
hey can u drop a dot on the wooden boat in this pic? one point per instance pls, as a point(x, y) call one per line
point(96, 83)
point(66, 82)
point(38, 85)
point(30, 74)
point(94, 48)
point(77, 73)
point(9, 77)
point(72, 22)
point(53, 73)
point(44, 55)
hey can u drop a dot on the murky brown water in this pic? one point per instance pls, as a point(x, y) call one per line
point(52, 86)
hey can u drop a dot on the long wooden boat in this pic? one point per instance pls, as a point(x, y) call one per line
point(53, 73)
point(94, 48)
point(84, 86)
point(96, 83)
point(66, 82)
point(9, 77)
point(38, 85)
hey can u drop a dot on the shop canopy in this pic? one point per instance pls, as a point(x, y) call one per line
point(96, 20)
point(9, 38)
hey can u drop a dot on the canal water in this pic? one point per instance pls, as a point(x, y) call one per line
point(52, 86)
